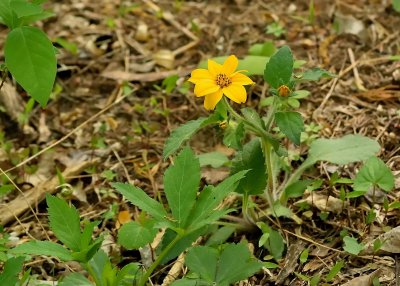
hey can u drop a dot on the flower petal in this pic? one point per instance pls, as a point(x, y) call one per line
point(236, 92)
point(214, 67)
point(205, 87)
point(212, 99)
point(200, 74)
point(241, 79)
point(230, 65)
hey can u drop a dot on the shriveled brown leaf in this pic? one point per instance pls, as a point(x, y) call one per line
point(365, 280)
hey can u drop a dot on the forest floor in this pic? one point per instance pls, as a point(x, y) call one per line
point(112, 111)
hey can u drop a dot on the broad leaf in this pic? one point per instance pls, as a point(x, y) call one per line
point(341, 151)
point(291, 124)
point(279, 69)
point(252, 116)
point(23, 8)
point(101, 270)
point(374, 173)
point(31, 59)
point(275, 244)
point(64, 222)
point(12, 267)
point(191, 282)
point(316, 74)
point(139, 198)
point(296, 189)
point(181, 183)
point(214, 159)
point(234, 135)
point(352, 246)
point(203, 260)
point(396, 5)
point(134, 235)
point(75, 279)
point(128, 274)
point(48, 248)
point(182, 134)
point(266, 49)
point(236, 264)
point(250, 158)
point(7, 15)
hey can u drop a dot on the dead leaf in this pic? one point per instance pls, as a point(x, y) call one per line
point(143, 77)
point(123, 218)
point(391, 243)
point(365, 280)
point(325, 203)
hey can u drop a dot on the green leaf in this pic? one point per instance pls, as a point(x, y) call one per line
point(304, 256)
point(101, 270)
point(316, 74)
point(334, 271)
point(210, 198)
point(8, 16)
point(220, 236)
point(279, 69)
point(234, 135)
point(252, 116)
point(75, 279)
point(128, 274)
point(190, 282)
point(181, 134)
point(181, 183)
point(86, 236)
point(31, 59)
point(374, 173)
point(296, 189)
point(291, 124)
point(214, 159)
point(235, 264)
point(342, 151)
point(139, 198)
point(64, 222)
point(396, 5)
point(266, 49)
point(203, 260)
point(36, 247)
point(23, 8)
point(134, 235)
point(251, 158)
point(352, 246)
point(275, 244)
point(12, 267)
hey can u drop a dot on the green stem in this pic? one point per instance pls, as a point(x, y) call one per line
point(270, 115)
point(268, 164)
point(156, 262)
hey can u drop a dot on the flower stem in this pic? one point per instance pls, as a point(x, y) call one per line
point(156, 262)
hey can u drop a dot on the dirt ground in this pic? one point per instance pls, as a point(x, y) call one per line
point(110, 115)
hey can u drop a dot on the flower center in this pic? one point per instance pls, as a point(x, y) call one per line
point(223, 80)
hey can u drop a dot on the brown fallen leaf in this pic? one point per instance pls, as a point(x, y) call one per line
point(144, 77)
point(390, 240)
point(365, 280)
point(324, 203)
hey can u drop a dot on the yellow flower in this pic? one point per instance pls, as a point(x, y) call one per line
point(219, 80)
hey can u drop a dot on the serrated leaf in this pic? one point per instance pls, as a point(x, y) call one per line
point(316, 74)
point(36, 247)
point(181, 134)
point(203, 260)
point(75, 279)
point(31, 59)
point(181, 183)
point(86, 236)
point(12, 267)
point(279, 69)
point(214, 159)
point(341, 151)
point(211, 197)
point(134, 235)
point(235, 264)
point(374, 173)
point(139, 198)
point(64, 222)
point(291, 124)
point(250, 158)
point(252, 116)
point(352, 246)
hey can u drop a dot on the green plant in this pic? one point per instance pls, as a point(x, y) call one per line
point(275, 29)
point(29, 55)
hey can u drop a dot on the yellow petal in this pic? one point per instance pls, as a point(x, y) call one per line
point(236, 92)
point(212, 99)
point(214, 67)
point(205, 87)
point(241, 79)
point(230, 65)
point(200, 74)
